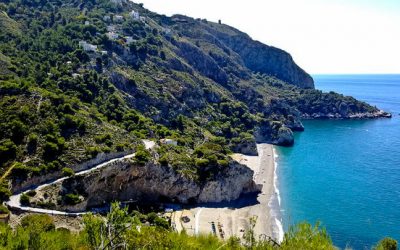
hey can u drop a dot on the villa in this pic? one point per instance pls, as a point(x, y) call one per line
point(87, 46)
point(135, 15)
point(112, 35)
point(118, 18)
point(169, 142)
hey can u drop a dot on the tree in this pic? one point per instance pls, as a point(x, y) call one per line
point(142, 155)
point(8, 150)
point(109, 233)
point(5, 192)
point(24, 200)
point(249, 235)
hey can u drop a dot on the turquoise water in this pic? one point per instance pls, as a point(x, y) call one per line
point(346, 174)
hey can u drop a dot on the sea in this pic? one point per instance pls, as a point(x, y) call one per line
point(345, 174)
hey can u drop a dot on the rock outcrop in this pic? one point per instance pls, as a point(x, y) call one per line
point(262, 58)
point(246, 147)
point(344, 114)
point(126, 181)
point(205, 64)
point(274, 132)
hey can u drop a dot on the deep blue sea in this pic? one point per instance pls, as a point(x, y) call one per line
point(346, 174)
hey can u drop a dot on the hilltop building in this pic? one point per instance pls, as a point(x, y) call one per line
point(87, 46)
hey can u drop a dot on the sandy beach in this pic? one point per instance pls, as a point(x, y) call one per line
point(232, 219)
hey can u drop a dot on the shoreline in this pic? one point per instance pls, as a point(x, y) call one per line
point(275, 209)
point(233, 218)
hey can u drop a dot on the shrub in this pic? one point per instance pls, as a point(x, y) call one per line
point(163, 160)
point(50, 150)
point(5, 193)
point(102, 138)
point(46, 205)
point(93, 151)
point(201, 163)
point(68, 122)
point(31, 193)
point(306, 236)
point(4, 209)
point(20, 171)
point(24, 200)
point(223, 163)
point(68, 172)
point(8, 150)
point(33, 140)
point(72, 199)
point(387, 244)
point(142, 156)
point(160, 222)
point(120, 147)
point(38, 222)
point(18, 130)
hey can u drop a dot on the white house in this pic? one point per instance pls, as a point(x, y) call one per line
point(107, 18)
point(118, 18)
point(166, 31)
point(112, 35)
point(142, 18)
point(119, 2)
point(87, 23)
point(110, 28)
point(129, 39)
point(135, 15)
point(87, 46)
point(168, 142)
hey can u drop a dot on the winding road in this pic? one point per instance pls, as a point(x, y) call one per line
point(14, 202)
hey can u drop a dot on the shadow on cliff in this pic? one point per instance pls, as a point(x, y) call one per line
point(244, 200)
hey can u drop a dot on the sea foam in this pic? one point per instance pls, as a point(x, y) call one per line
point(275, 205)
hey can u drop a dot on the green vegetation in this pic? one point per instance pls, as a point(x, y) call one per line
point(5, 192)
point(71, 199)
point(162, 77)
point(387, 244)
point(139, 231)
point(142, 155)
point(4, 210)
point(68, 172)
point(24, 200)
point(61, 105)
point(31, 193)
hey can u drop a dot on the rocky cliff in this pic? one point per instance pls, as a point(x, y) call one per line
point(230, 48)
point(127, 181)
point(262, 58)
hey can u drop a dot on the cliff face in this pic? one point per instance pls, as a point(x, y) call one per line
point(237, 54)
point(126, 181)
point(265, 59)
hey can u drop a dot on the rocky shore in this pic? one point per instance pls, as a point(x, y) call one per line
point(367, 115)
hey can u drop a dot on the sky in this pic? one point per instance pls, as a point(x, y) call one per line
point(323, 36)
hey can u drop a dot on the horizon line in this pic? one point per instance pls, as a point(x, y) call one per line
point(313, 74)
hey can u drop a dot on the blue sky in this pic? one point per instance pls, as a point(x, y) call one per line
point(336, 36)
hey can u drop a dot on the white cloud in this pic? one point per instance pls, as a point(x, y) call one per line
point(356, 36)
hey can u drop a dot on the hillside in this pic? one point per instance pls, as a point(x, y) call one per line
point(83, 79)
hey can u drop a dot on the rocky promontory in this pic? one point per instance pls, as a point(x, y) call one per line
point(152, 183)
